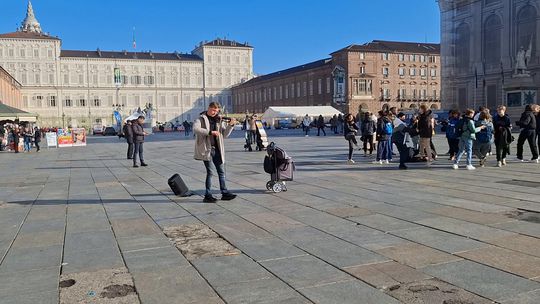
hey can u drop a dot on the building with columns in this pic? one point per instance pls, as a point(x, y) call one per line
point(78, 87)
point(354, 79)
point(489, 52)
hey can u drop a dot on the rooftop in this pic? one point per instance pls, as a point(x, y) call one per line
point(225, 42)
point(395, 47)
point(129, 55)
point(27, 35)
point(300, 68)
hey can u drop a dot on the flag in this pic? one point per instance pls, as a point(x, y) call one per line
point(134, 41)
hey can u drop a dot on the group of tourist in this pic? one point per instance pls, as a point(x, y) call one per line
point(11, 135)
point(469, 133)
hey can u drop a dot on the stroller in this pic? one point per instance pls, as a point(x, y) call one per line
point(280, 166)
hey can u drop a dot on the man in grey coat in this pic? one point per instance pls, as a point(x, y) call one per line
point(138, 141)
point(210, 130)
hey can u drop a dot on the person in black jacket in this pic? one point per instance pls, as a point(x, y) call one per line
point(128, 134)
point(37, 138)
point(368, 128)
point(15, 133)
point(384, 134)
point(401, 137)
point(503, 135)
point(350, 130)
point(527, 123)
point(320, 125)
point(536, 111)
point(425, 130)
point(138, 141)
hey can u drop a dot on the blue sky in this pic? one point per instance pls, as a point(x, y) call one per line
point(284, 33)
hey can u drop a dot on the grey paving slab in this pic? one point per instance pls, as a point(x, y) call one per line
point(365, 237)
point(30, 281)
point(483, 280)
point(92, 260)
point(48, 297)
point(305, 271)
point(383, 222)
point(268, 249)
point(467, 229)
point(22, 259)
point(154, 259)
point(89, 240)
point(134, 243)
point(437, 239)
point(350, 292)
point(263, 291)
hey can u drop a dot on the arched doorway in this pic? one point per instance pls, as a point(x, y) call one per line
point(434, 106)
point(413, 106)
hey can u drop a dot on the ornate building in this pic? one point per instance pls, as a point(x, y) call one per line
point(73, 87)
point(489, 51)
point(356, 78)
point(10, 90)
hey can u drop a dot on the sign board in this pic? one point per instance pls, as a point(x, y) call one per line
point(79, 137)
point(51, 139)
point(65, 138)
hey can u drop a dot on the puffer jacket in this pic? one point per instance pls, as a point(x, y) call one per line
point(203, 142)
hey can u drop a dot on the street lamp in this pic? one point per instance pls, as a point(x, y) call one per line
point(63, 120)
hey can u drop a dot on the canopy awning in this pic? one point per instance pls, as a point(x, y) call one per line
point(11, 113)
point(296, 112)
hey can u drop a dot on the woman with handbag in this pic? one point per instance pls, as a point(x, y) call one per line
point(350, 130)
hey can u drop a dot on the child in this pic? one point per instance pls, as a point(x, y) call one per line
point(468, 134)
point(484, 138)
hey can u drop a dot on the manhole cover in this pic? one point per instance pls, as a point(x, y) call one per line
point(523, 183)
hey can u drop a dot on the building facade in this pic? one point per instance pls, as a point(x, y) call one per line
point(356, 78)
point(489, 52)
point(10, 90)
point(78, 88)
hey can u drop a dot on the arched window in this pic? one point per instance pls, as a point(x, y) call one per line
point(492, 41)
point(462, 47)
point(526, 29)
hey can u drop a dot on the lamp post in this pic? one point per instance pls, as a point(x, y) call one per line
point(63, 120)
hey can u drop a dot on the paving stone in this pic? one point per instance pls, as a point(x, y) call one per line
point(153, 259)
point(305, 271)
point(347, 292)
point(92, 260)
point(525, 298)
point(521, 243)
point(262, 291)
point(383, 222)
point(386, 274)
point(39, 239)
point(30, 281)
point(440, 240)
point(348, 212)
point(472, 216)
point(365, 237)
point(83, 241)
point(505, 259)
point(272, 221)
point(268, 249)
point(21, 259)
point(482, 280)
point(227, 270)
point(134, 227)
point(48, 297)
point(416, 255)
point(467, 229)
point(520, 227)
point(133, 243)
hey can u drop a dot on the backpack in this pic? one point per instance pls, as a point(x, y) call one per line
point(388, 128)
point(269, 165)
point(484, 136)
point(460, 128)
point(451, 129)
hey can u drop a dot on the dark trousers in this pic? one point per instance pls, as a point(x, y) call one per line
point(403, 153)
point(138, 151)
point(501, 151)
point(37, 145)
point(215, 165)
point(352, 144)
point(527, 135)
point(130, 151)
point(453, 144)
point(319, 131)
point(368, 139)
point(306, 130)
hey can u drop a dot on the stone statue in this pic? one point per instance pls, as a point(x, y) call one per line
point(522, 59)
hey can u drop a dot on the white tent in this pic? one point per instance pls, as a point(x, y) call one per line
point(276, 113)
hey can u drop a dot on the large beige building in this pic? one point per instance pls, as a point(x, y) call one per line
point(489, 52)
point(354, 79)
point(73, 87)
point(10, 90)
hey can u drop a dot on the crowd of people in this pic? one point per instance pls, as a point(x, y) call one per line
point(134, 135)
point(13, 134)
point(468, 134)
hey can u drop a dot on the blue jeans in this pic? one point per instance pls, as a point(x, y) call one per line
point(138, 151)
point(215, 165)
point(384, 150)
point(465, 145)
point(27, 143)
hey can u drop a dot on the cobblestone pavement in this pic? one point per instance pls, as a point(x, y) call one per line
point(80, 225)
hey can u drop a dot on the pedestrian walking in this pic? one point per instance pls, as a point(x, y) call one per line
point(401, 137)
point(451, 134)
point(367, 130)
point(209, 131)
point(15, 135)
point(306, 122)
point(384, 134)
point(425, 131)
point(128, 134)
point(527, 123)
point(341, 122)
point(467, 132)
point(138, 141)
point(37, 138)
point(187, 127)
point(320, 125)
point(351, 129)
point(503, 135)
point(484, 138)
point(333, 124)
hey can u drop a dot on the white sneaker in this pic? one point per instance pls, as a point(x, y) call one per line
point(386, 161)
point(307, 135)
point(455, 166)
point(520, 160)
point(504, 162)
point(378, 162)
point(350, 161)
point(536, 161)
point(499, 164)
point(470, 167)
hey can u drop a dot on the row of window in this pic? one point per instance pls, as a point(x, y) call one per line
point(26, 53)
point(285, 92)
point(226, 59)
point(406, 57)
point(412, 72)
